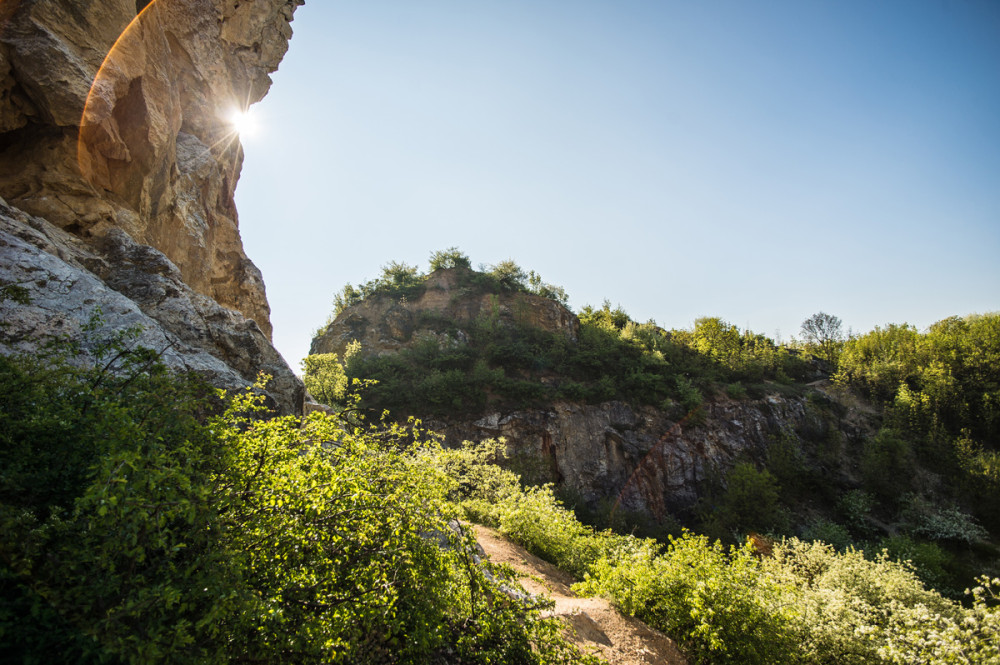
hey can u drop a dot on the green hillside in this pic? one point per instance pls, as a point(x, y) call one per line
point(919, 482)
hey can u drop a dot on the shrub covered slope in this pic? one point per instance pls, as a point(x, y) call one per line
point(916, 477)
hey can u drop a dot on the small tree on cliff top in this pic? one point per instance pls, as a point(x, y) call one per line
point(452, 257)
point(824, 334)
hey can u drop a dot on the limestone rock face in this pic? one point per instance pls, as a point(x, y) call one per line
point(118, 164)
point(121, 285)
point(384, 324)
point(114, 118)
point(635, 456)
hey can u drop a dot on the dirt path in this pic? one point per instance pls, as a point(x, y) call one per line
point(594, 625)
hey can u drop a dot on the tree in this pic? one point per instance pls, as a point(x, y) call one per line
point(510, 275)
point(444, 259)
point(824, 334)
point(324, 377)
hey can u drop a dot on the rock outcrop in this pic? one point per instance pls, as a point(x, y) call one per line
point(636, 457)
point(641, 458)
point(386, 324)
point(118, 164)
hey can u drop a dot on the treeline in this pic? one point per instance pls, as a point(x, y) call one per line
point(502, 364)
point(516, 366)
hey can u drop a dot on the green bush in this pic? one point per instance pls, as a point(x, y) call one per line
point(714, 601)
point(825, 531)
point(135, 531)
point(887, 465)
point(749, 502)
point(325, 378)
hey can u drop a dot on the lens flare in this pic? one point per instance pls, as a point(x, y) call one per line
point(241, 121)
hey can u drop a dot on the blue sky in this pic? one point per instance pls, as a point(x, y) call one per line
point(757, 161)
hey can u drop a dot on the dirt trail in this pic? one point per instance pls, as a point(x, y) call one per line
point(594, 625)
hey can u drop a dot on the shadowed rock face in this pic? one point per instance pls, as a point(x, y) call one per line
point(636, 457)
point(113, 128)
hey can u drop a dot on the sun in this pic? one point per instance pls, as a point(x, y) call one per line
point(241, 121)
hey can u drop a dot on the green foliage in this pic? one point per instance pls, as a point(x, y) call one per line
point(509, 275)
point(324, 377)
point(15, 293)
point(942, 523)
point(887, 465)
point(948, 377)
point(847, 607)
point(829, 532)
point(535, 518)
point(824, 336)
point(449, 259)
point(136, 531)
point(403, 281)
point(804, 603)
point(398, 280)
point(749, 502)
point(714, 601)
point(516, 365)
point(928, 560)
point(855, 508)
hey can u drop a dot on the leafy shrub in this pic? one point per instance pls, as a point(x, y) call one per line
point(855, 507)
point(736, 391)
point(927, 559)
point(449, 259)
point(825, 531)
point(324, 377)
point(942, 523)
point(887, 465)
point(714, 601)
point(749, 502)
point(135, 532)
point(845, 604)
point(537, 520)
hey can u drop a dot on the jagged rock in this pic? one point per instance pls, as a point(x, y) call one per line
point(384, 324)
point(113, 128)
point(118, 120)
point(635, 456)
point(127, 285)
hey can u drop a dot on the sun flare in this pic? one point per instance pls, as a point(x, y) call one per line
point(241, 121)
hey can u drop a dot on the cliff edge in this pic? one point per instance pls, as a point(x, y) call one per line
point(118, 164)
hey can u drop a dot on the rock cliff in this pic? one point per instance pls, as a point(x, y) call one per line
point(384, 324)
point(642, 458)
point(118, 164)
point(636, 457)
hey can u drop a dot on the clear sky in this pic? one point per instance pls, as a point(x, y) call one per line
point(758, 161)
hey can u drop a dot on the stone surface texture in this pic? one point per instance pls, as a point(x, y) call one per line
point(636, 457)
point(383, 324)
point(114, 130)
point(122, 284)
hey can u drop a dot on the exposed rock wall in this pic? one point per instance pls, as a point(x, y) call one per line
point(121, 284)
point(635, 456)
point(118, 120)
point(114, 128)
point(383, 324)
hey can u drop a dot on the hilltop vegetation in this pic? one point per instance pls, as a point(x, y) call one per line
point(515, 365)
point(922, 484)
